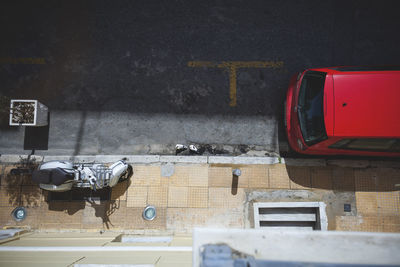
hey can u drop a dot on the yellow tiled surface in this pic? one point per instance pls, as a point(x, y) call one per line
point(300, 177)
point(231, 217)
point(180, 176)
point(202, 195)
point(137, 196)
point(388, 179)
point(365, 179)
point(391, 223)
point(178, 196)
point(164, 181)
point(31, 196)
point(134, 219)
point(220, 176)
point(93, 216)
point(219, 197)
point(186, 218)
point(343, 179)
point(198, 175)
point(8, 179)
point(348, 223)
point(119, 191)
point(388, 203)
point(321, 178)
point(144, 175)
point(279, 177)
point(256, 176)
point(367, 203)
point(364, 223)
point(160, 222)
point(157, 196)
point(370, 224)
point(198, 197)
point(62, 215)
point(5, 218)
point(10, 196)
point(179, 219)
point(115, 214)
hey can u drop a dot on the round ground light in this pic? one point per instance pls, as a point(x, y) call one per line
point(149, 213)
point(19, 214)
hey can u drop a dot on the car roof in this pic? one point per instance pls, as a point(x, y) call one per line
point(366, 101)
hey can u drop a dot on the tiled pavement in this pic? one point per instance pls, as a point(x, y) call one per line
point(207, 195)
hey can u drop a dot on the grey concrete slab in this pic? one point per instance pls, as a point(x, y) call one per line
point(167, 169)
point(55, 157)
point(146, 159)
point(242, 160)
point(305, 162)
point(13, 158)
point(184, 159)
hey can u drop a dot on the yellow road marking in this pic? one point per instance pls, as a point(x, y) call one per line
point(232, 67)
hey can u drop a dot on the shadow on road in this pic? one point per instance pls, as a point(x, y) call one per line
point(37, 138)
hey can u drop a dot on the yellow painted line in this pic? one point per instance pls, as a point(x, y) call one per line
point(232, 67)
point(232, 86)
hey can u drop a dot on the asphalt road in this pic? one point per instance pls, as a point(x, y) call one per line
point(140, 76)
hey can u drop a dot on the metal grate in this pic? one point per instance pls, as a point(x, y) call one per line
point(290, 215)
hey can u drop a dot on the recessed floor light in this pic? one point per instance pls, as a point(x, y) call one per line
point(149, 213)
point(19, 214)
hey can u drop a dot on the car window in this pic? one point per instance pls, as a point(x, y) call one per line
point(310, 107)
point(369, 144)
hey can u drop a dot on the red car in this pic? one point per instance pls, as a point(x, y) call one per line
point(344, 111)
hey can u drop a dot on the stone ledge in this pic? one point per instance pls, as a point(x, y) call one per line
point(243, 160)
point(247, 160)
point(305, 162)
point(12, 158)
point(184, 159)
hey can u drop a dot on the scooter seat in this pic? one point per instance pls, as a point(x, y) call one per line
point(55, 176)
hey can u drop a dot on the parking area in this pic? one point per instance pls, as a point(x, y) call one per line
point(138, 78)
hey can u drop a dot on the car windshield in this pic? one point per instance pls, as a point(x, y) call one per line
point(310, 107)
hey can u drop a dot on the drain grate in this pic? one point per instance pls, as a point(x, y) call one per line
point(290, 215)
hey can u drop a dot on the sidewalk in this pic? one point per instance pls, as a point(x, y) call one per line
point(204, 195)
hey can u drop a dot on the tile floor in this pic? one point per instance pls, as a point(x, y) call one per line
point(208, 195)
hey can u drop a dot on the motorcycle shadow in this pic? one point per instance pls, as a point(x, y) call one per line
point(88, 206)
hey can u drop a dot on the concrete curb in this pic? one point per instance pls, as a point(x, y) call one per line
point(184, 159)
point(244, 160)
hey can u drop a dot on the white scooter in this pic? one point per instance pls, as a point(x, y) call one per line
point(60, 176)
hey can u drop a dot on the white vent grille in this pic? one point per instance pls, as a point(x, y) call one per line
point(290, 215)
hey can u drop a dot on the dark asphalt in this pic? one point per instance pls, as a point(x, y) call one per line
point(132, 56)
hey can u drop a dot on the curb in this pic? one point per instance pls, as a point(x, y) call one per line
point(244, 160)
point(146, 159)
